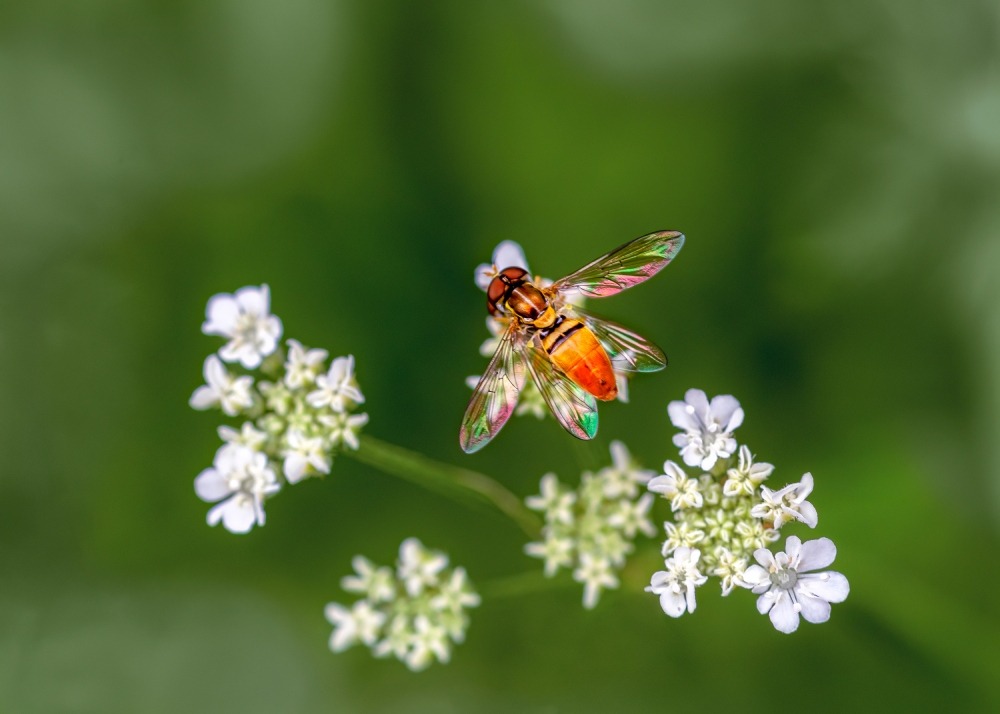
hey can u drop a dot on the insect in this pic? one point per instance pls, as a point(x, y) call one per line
point(568, 351)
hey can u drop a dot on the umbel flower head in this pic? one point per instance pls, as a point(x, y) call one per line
point(722, 516)
point(592, 529)
point(415, 613)
point(293, 412)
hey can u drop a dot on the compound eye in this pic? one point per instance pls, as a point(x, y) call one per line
point(513, 274)
point(495, 291)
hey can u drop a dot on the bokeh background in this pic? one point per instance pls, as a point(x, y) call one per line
point(835, 166)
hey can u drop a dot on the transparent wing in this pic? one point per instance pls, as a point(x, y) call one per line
point(627, 265)
point(628, 350)
point(495, 396)
point(572, 407)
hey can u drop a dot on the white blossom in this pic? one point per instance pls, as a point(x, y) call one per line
point(729, 569)
point(418, 567)
point(221, 388)
point(360, 623)
point(377, 584)
point(245, 319)
point(240, 480)
point(675, 485)
point(788, 588)
point(554, 500)
point(337, 388)
point(746, 476)
point(624, 476)
point(681, 535)
point(344, 428)
point(676, 584)
point(303, 365)
point(304, 456)
point(429, 641)
point(414, 614)
point(595, 573)
point(788, 503)
point(555, 550)
point(633, 516)
point(248, 435)
point(507, 254)
point(707, 427)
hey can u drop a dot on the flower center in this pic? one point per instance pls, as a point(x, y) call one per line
point(784, 578)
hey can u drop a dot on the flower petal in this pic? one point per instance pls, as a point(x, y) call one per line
point(784, 616)
point(254, 300)
point(682, 416)
point(211, 486)
point(814, 609)
point(816, 554)
point(831, 585)
point(221, 312)
point(508, 254)
point(672, 603)
point(204, 397)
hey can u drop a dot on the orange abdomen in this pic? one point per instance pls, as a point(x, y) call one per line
point(574, 349)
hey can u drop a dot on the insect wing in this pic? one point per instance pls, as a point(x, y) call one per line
point(495, 396)
point(572, 407)
point(628, 265)
point(628, 350)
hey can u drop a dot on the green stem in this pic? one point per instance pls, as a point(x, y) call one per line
point(452, 481)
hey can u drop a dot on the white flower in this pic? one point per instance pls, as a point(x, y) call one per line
point(245, 319)
point(555, 500)
point(456, 594)
point(418, 567)
point(344, 428)
point(376, 583)
point(507, 254)
point(222, 388)
point(676, 584)
point(680, 535)
point(747, 476)
point(754, 534)
point(337, 387)
point(708, 427)
point(304, 456)
point(557, 551)
point(248, 435)
point(429, 640)
point(787, 504)
point(675, 485)
point(788, 589)
point(397, 641)
point(244, 479)
point(277, 397)
point(633, 516)
point(595, 573)
point(303, 365)
point(729, 569)
point(362, 623)
point(624, 476)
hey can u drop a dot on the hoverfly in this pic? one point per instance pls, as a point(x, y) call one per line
point(567, 351)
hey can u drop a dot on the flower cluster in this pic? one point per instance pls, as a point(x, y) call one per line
point(723, 516)
point(414, 614)
point(509, 254)
point(592, 529)
point(296, 412)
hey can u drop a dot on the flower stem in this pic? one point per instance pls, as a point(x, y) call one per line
point(452, 481)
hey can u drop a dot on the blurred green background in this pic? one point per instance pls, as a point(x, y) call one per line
point(835, 166)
